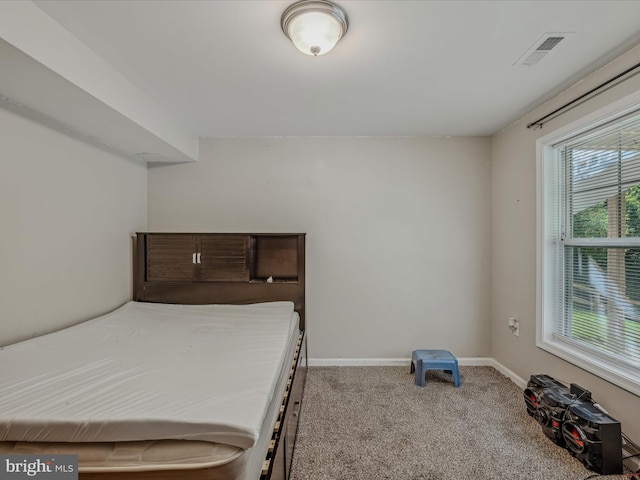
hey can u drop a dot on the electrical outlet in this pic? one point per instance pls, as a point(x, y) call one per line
point(514, 326)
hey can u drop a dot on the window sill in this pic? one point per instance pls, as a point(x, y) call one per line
point(624, 377)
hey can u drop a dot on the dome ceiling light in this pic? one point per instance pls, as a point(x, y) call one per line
point(314, 26)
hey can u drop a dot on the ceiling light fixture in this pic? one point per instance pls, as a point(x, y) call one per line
point(314, 26)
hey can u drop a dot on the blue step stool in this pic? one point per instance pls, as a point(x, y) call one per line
point(423, 360)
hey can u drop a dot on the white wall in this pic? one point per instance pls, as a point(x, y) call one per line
point(398, 231)
point(514, 245)
point(67, 211)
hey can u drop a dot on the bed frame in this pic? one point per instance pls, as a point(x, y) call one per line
point(232, 268)
point(200, 268)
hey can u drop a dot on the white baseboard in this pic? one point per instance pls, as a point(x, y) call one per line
point(358, 362)
point(401, 362)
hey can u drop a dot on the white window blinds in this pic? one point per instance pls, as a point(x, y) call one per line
point(597, 311)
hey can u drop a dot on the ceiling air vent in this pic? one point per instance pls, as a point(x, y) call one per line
point(544, 45)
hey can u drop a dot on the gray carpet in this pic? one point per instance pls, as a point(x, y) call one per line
point(375, 423)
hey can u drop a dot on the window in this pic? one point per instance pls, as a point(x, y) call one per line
point(589, 234)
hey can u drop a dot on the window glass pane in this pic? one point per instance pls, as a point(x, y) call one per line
point(592, 221)
point(590, 283)
point(617, 216)
point(603, 308)
point(632, 211)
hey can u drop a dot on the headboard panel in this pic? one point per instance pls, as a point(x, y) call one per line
point(231, 268)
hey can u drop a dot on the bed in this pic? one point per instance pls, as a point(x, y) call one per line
point(199, 377)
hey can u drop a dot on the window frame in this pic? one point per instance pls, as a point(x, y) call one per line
point(549, 278)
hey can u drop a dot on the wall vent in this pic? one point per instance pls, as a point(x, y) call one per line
point(541, 48)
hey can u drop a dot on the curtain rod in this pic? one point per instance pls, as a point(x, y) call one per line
point(584, 97)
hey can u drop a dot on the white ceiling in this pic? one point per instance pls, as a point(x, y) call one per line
point(224, 68)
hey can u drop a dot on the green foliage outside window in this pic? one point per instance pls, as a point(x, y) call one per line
point(592, 222)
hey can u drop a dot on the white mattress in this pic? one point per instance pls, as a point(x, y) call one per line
point(123, 376)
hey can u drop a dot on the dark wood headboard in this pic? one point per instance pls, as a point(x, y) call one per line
point(229, 268)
